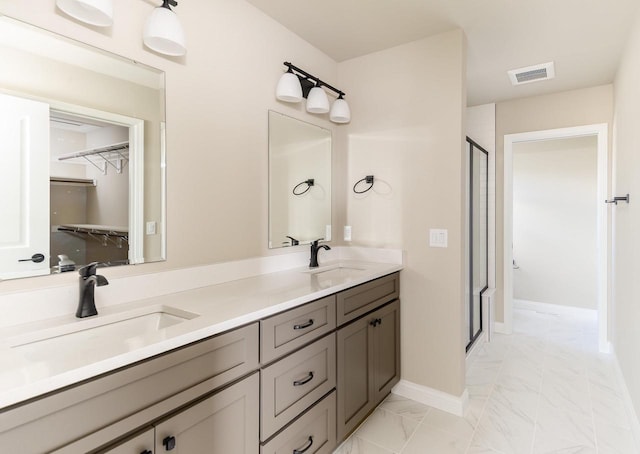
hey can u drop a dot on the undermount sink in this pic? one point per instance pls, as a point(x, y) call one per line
point(334, 269)
point(90, 340)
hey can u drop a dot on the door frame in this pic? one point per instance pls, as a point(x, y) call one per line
point(602, 249)
point(136, 168)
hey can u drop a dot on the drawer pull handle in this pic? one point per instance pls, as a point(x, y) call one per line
point(375, 322)
point(306, 448)
point(169, 443)
point(146, 451)
point(304, 325)
point(305, 380)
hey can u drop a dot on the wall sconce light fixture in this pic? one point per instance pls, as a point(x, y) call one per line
point(163, 32)
point(296, 84)
point(92, 12)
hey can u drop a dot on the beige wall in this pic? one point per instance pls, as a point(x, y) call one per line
point(555, 220)
point(626, 247)
point(572, 108)
point(408, 107)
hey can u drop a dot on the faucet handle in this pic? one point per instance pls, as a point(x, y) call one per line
point(316, 242)
point(88, 270)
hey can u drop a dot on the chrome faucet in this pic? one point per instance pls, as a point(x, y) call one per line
point(315, 248)
point(88, 282)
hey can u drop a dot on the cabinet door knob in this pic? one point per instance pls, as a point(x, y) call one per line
point(304, 325)
point(306, 448)
point(306, 379)
point(169, 443)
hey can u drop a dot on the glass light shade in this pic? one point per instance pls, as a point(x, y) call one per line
point(340, 112)
point(164, 34)
point(289, 88)
point(93, 12)
point(317, 101)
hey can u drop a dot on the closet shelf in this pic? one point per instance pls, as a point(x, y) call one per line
point(116, 155)
point(104, 234)
point(72, 181)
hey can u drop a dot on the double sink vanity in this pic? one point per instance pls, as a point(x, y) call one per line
point(285, 362)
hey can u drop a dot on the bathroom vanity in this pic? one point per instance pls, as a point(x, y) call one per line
point(262, 366)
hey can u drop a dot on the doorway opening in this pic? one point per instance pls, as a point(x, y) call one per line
point(511, 143)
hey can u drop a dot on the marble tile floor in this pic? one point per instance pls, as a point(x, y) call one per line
point(544, 389)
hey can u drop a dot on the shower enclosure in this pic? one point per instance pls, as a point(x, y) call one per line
point(477, 246)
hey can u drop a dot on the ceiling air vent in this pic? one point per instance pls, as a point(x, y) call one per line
point(532, 74)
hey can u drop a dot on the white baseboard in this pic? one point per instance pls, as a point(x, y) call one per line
point(631, 413)
point(499, 327)
point(432, 397)
point(547, 308)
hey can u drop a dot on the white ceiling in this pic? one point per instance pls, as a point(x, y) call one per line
point(584, 38)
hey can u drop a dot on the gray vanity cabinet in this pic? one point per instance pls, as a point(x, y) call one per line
point(368, 352)
point(224, 423)
point(312, 433)
point(95, 413)
point(139, 444)
point(358, 301)
point(275, 386)
point(293, 384)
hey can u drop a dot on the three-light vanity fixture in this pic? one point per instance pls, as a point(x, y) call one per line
point(162, 30)
point(296, 84)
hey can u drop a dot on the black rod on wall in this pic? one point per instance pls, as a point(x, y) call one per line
point(308, 76)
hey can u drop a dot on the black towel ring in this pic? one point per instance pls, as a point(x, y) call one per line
point(368, 180)
point(309, 183)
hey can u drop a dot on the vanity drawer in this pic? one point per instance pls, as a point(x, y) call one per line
point(289, 386)
point(130, 397)
point(312, 433)
point(285, 332)
point(364, 298)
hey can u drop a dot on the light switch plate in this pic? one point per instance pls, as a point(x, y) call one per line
point(327, 232)
point(151, 228)
point(347, 233)
point(438, 237)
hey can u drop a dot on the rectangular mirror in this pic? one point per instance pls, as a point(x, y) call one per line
point(83, 167)
point(299, 181)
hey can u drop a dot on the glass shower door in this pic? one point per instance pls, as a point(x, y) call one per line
point(478, 237)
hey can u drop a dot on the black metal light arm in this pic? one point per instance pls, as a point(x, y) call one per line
point(312, 77)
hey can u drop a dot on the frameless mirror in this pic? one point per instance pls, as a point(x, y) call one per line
point(299, 181)
point(83, 168)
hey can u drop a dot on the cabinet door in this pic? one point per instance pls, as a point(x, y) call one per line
point(139, 444)
point(224, 423)
point(355, 377)
point(386, 350)
point(368, 364)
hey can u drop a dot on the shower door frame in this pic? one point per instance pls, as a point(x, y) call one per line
point(474, 336)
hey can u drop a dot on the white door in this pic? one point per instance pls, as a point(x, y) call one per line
point(24, 187)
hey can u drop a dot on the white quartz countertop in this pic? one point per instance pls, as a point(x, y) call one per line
point(30, 367)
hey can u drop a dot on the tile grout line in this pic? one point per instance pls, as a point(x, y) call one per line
point(414, 431)
point(486, 402)
point(593, 415)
